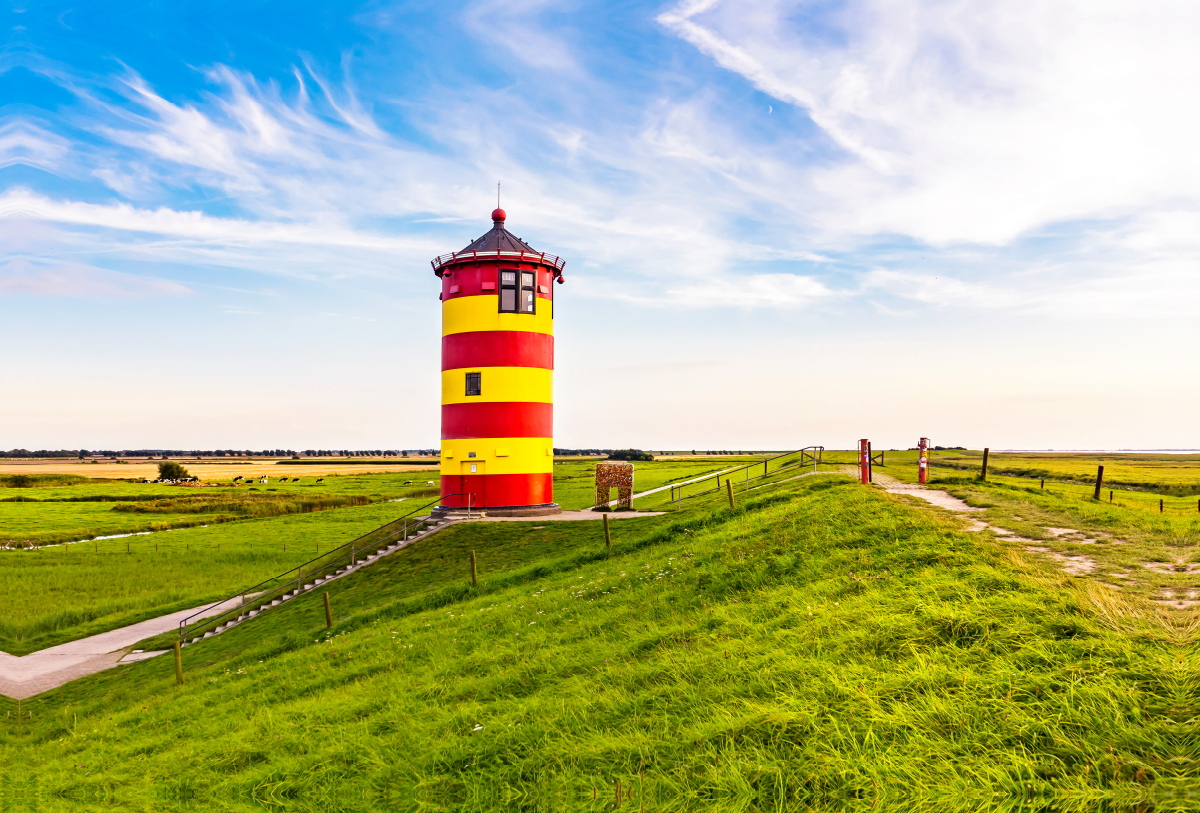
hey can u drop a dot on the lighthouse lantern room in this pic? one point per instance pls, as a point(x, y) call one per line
point(497, 375)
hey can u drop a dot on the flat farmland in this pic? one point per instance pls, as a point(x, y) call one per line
point(219, 470)
point(62, 593)
point(1166, 474)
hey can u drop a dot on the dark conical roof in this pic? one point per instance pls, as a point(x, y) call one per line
point(499, 243)
point(499, 239)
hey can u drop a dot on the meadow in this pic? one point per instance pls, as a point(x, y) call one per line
point(53, 514)
point(823, 646)
point(1176, 475)
point(68, 591)
point(62, 593)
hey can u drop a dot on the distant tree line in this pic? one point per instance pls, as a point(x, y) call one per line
point(611, 454)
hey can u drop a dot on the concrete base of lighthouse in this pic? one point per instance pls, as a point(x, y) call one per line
point(546, 510)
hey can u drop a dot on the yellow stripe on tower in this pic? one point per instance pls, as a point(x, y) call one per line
point(466, 314)
point(499, 384)
point(499, 455)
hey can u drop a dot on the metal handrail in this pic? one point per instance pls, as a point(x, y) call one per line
point(807, 454)
point(528, 256)
point(261, 599)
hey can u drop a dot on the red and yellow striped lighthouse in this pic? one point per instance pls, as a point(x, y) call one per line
point(497, 375)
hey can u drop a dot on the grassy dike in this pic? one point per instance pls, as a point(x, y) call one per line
point(825, 646)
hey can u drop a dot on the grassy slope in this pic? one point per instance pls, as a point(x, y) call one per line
point(1136, 547)
point(67, 592)
point(825, 647)
point(63, 593)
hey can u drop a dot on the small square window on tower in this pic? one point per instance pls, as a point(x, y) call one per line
point(474, 383)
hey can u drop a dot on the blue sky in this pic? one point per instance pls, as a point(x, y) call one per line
point(784, 222)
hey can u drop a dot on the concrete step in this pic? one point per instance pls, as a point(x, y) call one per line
point(253, 613)
point(209, 634)
point(276, 602)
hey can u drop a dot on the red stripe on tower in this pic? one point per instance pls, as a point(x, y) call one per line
point(497, 348)
point(509, 419)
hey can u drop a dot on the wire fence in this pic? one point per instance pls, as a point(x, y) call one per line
point(753, 473)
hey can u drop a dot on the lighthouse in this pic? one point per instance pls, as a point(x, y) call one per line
point(497, 375)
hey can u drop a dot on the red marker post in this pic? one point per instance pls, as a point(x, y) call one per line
point(922, 460)
point(864, 459)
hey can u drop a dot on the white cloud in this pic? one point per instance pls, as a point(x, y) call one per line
point(779, 291)
point(24, 276)
point(982, 121)
point(23, 142)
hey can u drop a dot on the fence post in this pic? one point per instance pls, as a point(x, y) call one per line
point(328, 612)
point(1043, 482)
point(1099, 482)
point(983, 472)
point(729, 491)
point(1110, 495)
point(1160, 506)
point(178, 665)
point(474, 580)
point(607, 535)
point(870, 464)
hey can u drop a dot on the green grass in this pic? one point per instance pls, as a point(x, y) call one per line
point(65, 592)
point(52, 515)
point(39, 480)
point(59, 594)
point(1175, 475)
point(824, 647)
point(575, 481)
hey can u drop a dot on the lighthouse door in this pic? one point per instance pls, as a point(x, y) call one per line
point(473, 483)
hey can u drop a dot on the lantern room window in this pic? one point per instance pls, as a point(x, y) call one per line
point(517, 292)
point(474, 383)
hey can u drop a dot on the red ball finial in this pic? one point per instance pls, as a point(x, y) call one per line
point(498, 216)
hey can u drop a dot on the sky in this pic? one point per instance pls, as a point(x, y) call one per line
point(784, 223)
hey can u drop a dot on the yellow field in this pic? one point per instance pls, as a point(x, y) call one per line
point(215, 470)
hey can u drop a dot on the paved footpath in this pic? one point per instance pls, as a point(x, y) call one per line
point(50, 668)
